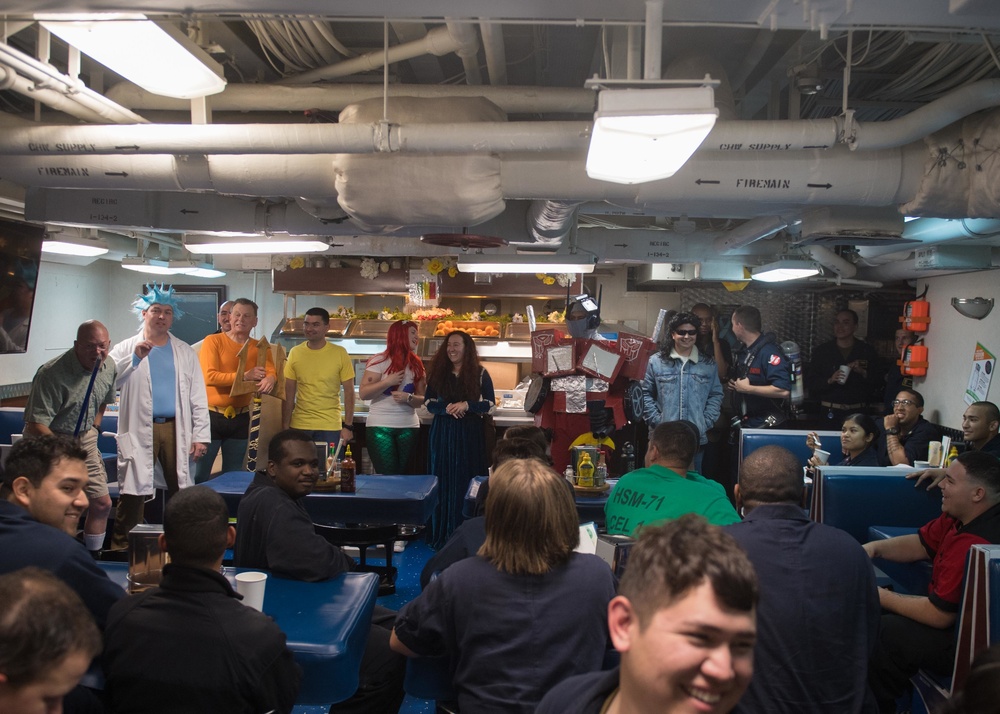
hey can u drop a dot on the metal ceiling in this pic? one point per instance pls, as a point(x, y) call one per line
point(277, 158)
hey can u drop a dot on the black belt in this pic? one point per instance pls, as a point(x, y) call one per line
point(843, 407)
point(163, 420)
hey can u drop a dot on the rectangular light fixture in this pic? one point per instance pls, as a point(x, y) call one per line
point(552, 264)
point(196, 269)
point(784, 270)
point(215, 245)
point(152, 266)
point(83, 247)
point(644, 135)
point(156, 56)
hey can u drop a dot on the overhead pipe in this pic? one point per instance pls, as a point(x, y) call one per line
point(11, 80)
point(482, 137)
point(831, 261)
point(53, 82)
point(334, 97)
point(930, 231)
point(496, 57)
point(452, 37)
point(654, 40)
point(468, 50)
point(746, 233)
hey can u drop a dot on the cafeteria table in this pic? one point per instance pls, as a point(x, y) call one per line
point(589, 507)
point(326, 625)
point(379, 500)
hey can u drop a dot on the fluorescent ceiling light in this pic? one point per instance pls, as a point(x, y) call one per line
point(556, 264)
point(211, 245)
point(152, 266)
point(85, 247)
point(782, 270)
point(196, 269)
point(644, 135)
point(158, 57)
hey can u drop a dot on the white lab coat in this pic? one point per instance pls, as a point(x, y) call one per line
point(135, 416)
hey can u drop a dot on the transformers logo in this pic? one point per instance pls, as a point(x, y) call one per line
point(628, 347)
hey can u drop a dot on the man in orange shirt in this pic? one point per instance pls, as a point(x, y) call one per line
point(229, 415)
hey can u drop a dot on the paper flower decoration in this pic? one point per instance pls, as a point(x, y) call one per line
point(297, 262)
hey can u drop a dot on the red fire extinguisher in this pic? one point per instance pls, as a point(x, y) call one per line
point(914, 362)
point(917, 314)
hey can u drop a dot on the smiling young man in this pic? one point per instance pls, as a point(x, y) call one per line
point(41, 501)
point(906, 433)
point(684, 622)
point(918, 631)
point(276, 533)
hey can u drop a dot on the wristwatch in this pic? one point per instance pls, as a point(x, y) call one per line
point(349, 427)
point(892, 431)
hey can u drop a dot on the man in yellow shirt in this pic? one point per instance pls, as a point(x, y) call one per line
point(314, 373)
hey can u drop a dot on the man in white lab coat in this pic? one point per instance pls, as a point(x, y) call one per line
point(163, 415)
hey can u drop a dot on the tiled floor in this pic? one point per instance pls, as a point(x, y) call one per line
point(410, 562)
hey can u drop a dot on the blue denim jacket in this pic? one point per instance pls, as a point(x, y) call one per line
point(673, 389)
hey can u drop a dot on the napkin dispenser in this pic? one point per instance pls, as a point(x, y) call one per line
point(145, 558)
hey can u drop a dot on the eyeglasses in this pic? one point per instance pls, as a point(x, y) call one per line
point(686, 333)
point(904, 403)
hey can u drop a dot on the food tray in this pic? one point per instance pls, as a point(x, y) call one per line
point(592, 490)
point(481, 328)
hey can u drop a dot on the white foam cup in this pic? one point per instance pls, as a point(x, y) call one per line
point(251, 586)
point(822, 456)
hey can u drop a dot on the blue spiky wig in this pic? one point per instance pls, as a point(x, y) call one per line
point(157, 295)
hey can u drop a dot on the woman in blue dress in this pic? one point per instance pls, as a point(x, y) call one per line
point(459, 393)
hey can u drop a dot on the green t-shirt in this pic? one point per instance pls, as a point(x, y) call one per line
point(58, 389)
point(318, 375)
point(656, 494)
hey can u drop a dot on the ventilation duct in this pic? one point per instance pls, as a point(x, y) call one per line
point(857, 225)
point(384, 190)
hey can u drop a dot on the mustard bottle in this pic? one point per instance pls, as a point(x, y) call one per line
point(585, 471)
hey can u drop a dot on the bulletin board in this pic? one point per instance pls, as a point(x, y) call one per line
point(200, 304)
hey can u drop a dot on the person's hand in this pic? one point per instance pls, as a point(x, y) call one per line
point(812, 440)
point(255, 374)
point(265, 385)
point(400, 397)
point(835, 377)
point(932, 477)
point(813, 461)
point(198, 450)
point(870, 549)
point(891, 421)
point(457, 409)
point(883, 595)
point(143, 348)
point(394, 379)
point(740, 385)
point(346, 435)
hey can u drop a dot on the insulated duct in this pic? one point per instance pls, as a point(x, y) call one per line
point(550, 222)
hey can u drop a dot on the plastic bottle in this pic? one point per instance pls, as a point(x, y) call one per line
point(331, 463)
point(952, 455)
point(585, 471)
point(601, 472)
point(569, 475)
point(347, 471)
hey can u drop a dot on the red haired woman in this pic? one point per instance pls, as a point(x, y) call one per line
point(394, 381)
point(459, 393)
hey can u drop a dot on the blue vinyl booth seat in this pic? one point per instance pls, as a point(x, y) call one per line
point(909, 578)
point(977, 628)
point(792, 439)
point(854, 498)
